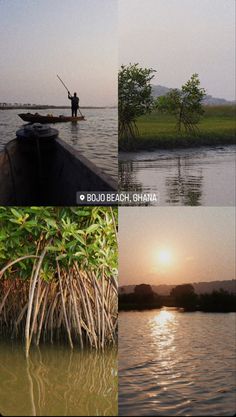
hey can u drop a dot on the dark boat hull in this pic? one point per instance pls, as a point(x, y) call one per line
point(53, 180)
point(38, 118)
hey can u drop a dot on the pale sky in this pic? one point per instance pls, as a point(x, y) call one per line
point(77, 39)
point(180, 37)
point(173, 245)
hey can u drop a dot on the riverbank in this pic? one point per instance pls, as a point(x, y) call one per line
point(158, 131)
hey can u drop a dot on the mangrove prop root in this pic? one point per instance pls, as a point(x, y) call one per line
point(76, 306)
point(31, 298)
point(22, 258)
point(63, 305)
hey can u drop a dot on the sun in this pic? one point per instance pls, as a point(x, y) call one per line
point(164, 256)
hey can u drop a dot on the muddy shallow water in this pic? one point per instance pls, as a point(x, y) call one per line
point(56, 381)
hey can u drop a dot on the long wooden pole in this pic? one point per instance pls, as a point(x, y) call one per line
point(68, 91)
point(63, 83)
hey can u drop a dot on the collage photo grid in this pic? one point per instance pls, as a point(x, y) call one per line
point(117, 208)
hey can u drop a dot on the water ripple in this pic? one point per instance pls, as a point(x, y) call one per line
point(202, 176)
point(183, 365)
point(96, 138)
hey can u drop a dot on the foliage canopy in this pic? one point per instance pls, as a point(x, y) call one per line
point(85, 235)
point(184, 104)
point(134, 97)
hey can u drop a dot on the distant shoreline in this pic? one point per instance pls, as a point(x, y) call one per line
point(135, 308)
point(200, 286)
point(46, 107)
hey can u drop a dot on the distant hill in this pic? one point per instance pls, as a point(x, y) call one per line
point(200, 287)
point(160, 90)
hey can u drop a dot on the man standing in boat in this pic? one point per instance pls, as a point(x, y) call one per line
point(74, 103)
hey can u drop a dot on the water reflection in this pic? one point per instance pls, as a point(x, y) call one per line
point(56, 381)
point(164, 319)
point(183, 183)
point(184, 186)
point(75, 129)
point(127, 179)
point(163, 328)
point(174, 363)
point(189, 177)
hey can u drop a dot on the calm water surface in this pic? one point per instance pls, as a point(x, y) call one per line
point(173, 363)
point(57, 382)
point(197, 176)
point(96, 137)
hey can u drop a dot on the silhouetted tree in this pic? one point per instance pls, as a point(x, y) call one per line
point(143, 298)
point(218, 301)
point(184, 296)
point(144, 292)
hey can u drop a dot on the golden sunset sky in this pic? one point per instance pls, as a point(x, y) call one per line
point(160, 245)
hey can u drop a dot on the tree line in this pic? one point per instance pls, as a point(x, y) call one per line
point(182, 296)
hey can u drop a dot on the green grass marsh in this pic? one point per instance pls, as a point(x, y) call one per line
point(158, 130)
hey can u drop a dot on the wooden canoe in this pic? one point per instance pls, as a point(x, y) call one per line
point(53, 179)
point(39, 118)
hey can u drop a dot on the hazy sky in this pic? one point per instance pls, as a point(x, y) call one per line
point(78, 39)
point(160, 245)
point(180, 37)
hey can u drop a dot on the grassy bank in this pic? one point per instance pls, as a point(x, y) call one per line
point(158, 131)
point(58, 275)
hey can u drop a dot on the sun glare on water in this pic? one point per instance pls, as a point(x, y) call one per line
point(164, 317)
